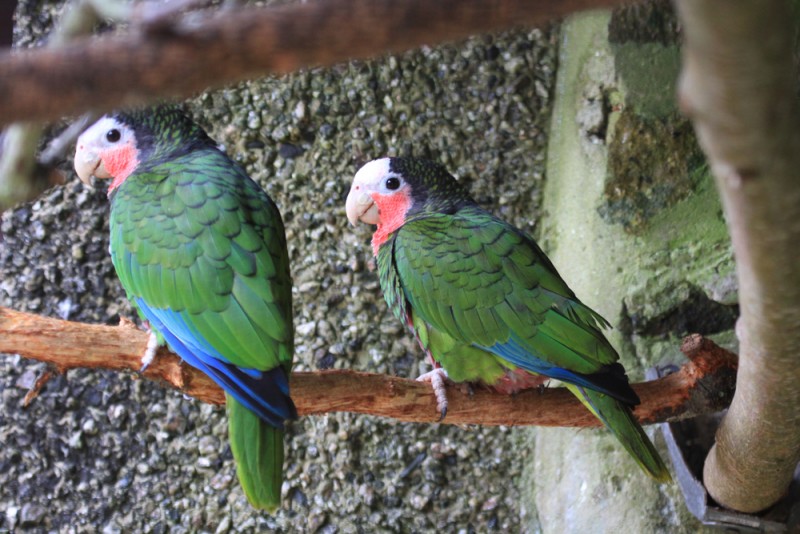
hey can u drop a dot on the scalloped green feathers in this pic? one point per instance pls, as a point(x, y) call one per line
point(196, 235)
point(201, 250)
point(486, 302)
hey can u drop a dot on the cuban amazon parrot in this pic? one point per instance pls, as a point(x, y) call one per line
point(484, 301)
point(201, 252)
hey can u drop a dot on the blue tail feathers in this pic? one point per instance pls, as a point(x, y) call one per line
point(610, 379)
point(266, 393)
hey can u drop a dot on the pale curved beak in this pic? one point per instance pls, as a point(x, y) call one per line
point(88, 163)
point(360, 206)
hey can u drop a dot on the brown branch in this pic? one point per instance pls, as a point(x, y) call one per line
point(704, 385)
point(739, 87)
point(43, 378)
point(242, 43)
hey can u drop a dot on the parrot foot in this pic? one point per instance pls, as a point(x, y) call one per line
point(436, 379)
point(150, 352)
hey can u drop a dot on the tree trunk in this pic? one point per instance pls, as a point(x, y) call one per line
point(738, 86)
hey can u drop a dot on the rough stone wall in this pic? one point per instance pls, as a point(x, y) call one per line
point(100, 451)
point(633, 222)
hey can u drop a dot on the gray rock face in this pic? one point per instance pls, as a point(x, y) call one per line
point(104, 451)
point(635, 228)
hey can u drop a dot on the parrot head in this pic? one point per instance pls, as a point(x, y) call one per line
point(387, 191)
point(120, 143)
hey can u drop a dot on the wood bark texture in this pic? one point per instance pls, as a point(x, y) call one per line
point(179, 58)
point(739, 87)
point(703, 385)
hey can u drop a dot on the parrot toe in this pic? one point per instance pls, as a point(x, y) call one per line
point(436, 379)
point(150, 352)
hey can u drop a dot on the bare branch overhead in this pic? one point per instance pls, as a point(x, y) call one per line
point(240, 43)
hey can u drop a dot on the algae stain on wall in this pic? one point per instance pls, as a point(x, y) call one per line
point(652, 164)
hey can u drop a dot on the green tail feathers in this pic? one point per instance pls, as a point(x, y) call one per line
point(258, 451)
point(619, 419)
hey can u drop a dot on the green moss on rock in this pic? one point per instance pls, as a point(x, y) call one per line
point(650, 166)
point(645, 22)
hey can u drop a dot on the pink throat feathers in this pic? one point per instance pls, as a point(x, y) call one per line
point(392, 209)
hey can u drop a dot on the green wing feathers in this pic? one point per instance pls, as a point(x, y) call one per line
point(481, 282)
point(484, 300)
point(258, 451)
point(199, 241)
point(224, 267)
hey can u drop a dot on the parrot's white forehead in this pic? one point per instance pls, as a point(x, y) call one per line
point(373, 172)
point(99, 129)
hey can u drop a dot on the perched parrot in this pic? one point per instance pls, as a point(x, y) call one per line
point(484, 301)
point(201, 252)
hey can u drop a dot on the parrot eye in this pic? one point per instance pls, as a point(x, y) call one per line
point(392, 183)
point(113, 135)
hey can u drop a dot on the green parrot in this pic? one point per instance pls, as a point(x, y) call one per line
point(201, 252)
point(484, 301)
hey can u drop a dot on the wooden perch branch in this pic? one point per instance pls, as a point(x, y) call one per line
point(702, 386)
point(240, 43)
point(739, 87)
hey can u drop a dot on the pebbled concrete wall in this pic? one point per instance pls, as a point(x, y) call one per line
point(629, 217)
point(105, 452)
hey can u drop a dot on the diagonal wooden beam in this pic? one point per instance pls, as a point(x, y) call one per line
point(188, 56)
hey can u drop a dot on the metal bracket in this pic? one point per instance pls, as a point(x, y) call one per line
point(688, 443)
